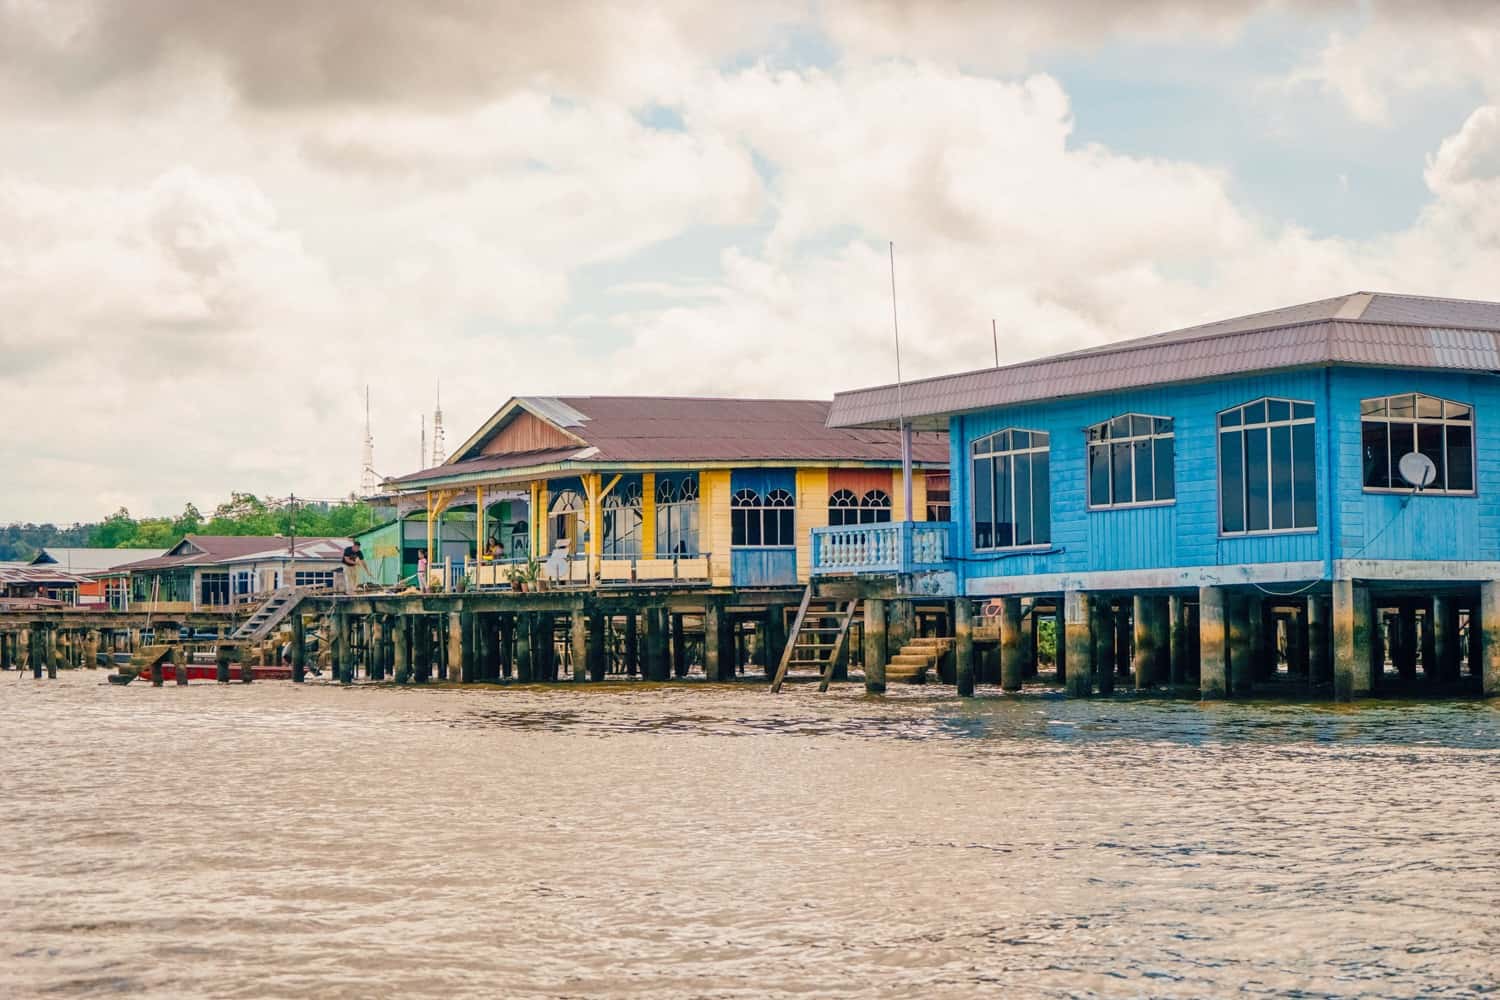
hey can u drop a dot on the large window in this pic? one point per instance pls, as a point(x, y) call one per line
point(1393, 426)
point(622, 522)
point(677, 515)
point(322, 579)
point(566, 519)
point(1012, 495)
point(1267, 467)
point(847, 507)
point(763, 520)
point(939, 499)
point(1130, 461)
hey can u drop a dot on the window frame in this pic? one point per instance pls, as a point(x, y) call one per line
point(1415, 421)
point(677, 500)
point(768, 507)
point(623, 504)
point(1107, 442)
point(1293, 421)
point(992, 453)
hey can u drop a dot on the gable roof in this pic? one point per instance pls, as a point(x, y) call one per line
point(642, 430)
point(1363, 328)
point(213, 550)
point(85, 560)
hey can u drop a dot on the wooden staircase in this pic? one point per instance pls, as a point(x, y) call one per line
point(270, 614)
point(818, 636)
point(915, 660)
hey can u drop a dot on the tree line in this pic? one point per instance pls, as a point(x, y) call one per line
point(241, 514)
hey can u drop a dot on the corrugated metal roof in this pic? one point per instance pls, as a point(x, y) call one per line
point(642, 430)
point(212, 550)
point(1363, 328)
point(96, 560)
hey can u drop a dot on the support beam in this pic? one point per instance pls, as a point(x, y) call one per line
point(1213, 643)
point(1351, 640)
point(776, 636)
point(299, 648)
point(578, 642)
point(1144, 661)
point(963, 646)
point(525, 655)
point(876, 654)
point(1489, 617)
point(1079, 639)
point(1028, 639)
point(595, 656)
point(1177, 641)
point(1104, 643)
point(1012, 661)
point(679, 648)
point(400, 627)
point(1319, 640)
point(632, 646)
point(713, 651)
point(1241, 646)
point(454, 672)
point(1444, 620)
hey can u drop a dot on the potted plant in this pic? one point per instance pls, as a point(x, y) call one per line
point(517, 576)
point(534, 574)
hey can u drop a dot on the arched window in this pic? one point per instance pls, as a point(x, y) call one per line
point(1267, 467)
point(1440, 429)
point(768, 520)
point(843, 508)
point(622, 522)
point(875, 507)
point(677, 515)
point(1012, 489)
point(1130, 461)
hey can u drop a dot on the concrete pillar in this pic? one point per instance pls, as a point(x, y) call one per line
point(1059, 643)
point(963, 646)
point(1012, 664)
point(1079, 639)
point(578, 641)
point(1104, 644)
point(1352, 674)
point(52, 653)
point(525, 659)
point(713, 633)
point(1213, 643)
point(595, 655)
point(1241, 658)
point(1489, 617)
point(776, 637)
point(1444, 619)
point(1319, 641)
point(1028, 638)
point(507, 645)
point(679, 647)
point(1429, 646)
point(876, 655)
point(1177, 640)
point(1475, 651)
point(900, 625)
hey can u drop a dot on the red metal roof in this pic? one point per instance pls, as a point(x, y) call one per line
point(642, 430)
point(1364, 328)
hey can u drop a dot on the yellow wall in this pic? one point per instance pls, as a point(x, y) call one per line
point(648, 514)
point(918, 496)
point(713, 522)
point(812, 512)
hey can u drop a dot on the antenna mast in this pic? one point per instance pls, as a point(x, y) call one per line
point(439, 447)
point(368, 481)
point(900, 395)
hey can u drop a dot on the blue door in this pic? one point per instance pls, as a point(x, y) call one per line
point(763, 519)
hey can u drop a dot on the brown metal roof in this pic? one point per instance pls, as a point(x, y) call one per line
point(210, 550)
point(642, 430)
point(1364, 328)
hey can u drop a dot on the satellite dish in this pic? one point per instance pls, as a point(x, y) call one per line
point(1417, 469)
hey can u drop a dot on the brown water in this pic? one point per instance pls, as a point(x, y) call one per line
point(696, 841)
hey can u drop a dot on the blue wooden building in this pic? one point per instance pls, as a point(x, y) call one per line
point(1309, 495)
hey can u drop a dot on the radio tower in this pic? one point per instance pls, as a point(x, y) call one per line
point(439, 448)
point(369, 483)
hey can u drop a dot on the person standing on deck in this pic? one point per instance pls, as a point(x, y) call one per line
point(354, 562)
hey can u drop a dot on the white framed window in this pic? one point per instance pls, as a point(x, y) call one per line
point(622, 522)
point(677, 515)
point(1440, 429)
point(846, 507)
point(1267, 467)
point(1131, 461)
point(1011, 489)
point(319, 578)
point(763, 520)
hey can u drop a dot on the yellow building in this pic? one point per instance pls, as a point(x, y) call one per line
point(621, 490)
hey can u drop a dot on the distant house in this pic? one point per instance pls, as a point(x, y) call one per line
point(92, 565)
point(637, 489)
point(48, 583)
point(209, 571)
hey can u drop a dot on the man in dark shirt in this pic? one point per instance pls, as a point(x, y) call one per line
point(354, 562)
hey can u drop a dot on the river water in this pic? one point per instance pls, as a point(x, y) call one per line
point(698, 841)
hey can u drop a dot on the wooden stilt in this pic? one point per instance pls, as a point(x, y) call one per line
point(507, 645)
point(1489, 617)
point(876, 651)
point(1028, 639)
point(1012, 656)
point(1177, 641)
point(1213, 643)
point(1241, 658)
point(221, 664)
point(525, 656)
point(578, 641)
point(1103, 624)
point(963, 646)
point(632, 646)
point(1079, 639)
point(1445, 639)
point(594, 653)
point(679, 647)
point(713, 650)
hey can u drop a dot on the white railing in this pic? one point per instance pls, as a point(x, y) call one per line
point(888, 548)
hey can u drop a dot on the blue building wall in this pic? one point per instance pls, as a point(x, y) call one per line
point(1185, 532)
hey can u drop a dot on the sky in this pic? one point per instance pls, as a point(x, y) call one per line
point(220, 222)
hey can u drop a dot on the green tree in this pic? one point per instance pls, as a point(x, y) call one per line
point(114, 532)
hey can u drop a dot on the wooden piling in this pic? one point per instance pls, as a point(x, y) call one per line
point(525, 659)
point(657, 666)
point(1240, 645)
point(453, 663)
point(632, 646)
point(1406, 665)
point(1079, 638)
point(1012, 652)
point(713, 651)
point(963, 646)
point(679, 646)
point(1213, 643)
point(1028, 639)
point(876, 653)
point(776, 637)
point(1319, 640)
point(595, 655)
point(52, 654)
point(507, 645)
point(221, 664)
point(1103, 615)
point(1143, 663)
point(1444, 620)
point(578, 641)
point(1489, 618)
point(1177, 641)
